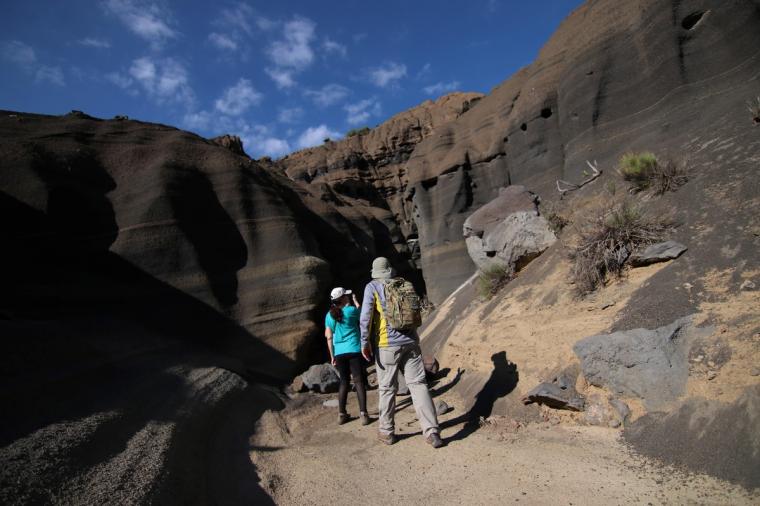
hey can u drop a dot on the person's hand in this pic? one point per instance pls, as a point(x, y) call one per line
point(367, 353)
point(333, 361)
point(356, 302)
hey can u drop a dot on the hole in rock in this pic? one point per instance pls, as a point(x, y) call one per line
point(590, 73)
point(690, 21)
point(490, 254)
point(523, 127)
point(546, 112)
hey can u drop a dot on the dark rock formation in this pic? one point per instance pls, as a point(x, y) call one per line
point(660, 252)
point(559, 392)
point(614, 77)
point(321, 378)
point(231, 142)
point(109, 217)
point(648, 364)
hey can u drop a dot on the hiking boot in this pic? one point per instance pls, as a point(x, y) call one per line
point(434, 440)
point(343, 418)
point(388, 439)
point(366, 420)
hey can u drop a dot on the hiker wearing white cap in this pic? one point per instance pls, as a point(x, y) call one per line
point(344, 343)
point(389, 319)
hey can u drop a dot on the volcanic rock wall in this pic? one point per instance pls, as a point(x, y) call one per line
point(160, 226)
point(615, 76)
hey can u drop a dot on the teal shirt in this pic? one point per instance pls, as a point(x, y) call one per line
point(346, 336)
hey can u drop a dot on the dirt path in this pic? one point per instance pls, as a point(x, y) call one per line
point(303, 457)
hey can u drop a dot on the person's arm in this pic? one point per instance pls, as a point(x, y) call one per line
point(365, 320)
point(329, 336)
point(356, 302)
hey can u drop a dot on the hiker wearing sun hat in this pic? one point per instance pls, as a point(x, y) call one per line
point(389, 319)
point(343, 341)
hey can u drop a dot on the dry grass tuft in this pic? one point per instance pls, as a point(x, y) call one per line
point(645, 172)
point(608, 240)
point(492, 279)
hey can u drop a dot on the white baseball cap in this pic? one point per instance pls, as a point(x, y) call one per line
point(339, 292)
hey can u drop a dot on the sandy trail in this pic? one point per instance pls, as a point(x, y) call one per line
point(303, 457)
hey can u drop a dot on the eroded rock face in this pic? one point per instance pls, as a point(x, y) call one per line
point(362, 180)
point(231, 142)
point(123, 219)
point(613, 78)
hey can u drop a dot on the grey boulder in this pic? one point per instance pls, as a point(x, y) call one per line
point(648, 364)
point(321, 378)
point(507, 232)
point(660, 252)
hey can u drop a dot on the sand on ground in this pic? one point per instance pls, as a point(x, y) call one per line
point(303, 456)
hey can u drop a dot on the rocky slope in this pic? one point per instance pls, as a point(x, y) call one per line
point(150, 275)
point(648, 74)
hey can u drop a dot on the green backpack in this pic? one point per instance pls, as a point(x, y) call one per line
point(402, 305)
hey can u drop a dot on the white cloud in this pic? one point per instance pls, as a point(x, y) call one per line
point(360, 112)
point(238, 98)
point(328, 95)
point(290, 115)
point(258, 140)
point(314, 136)
point(283, 78)
point(93, 42)
point(222, 41)
point(145, 19)
point(441, 87)
point(50, 74)
point(164, 80)
point(270, 146)
point(17, 52)
point(24, 56)
point(119, 80)
point(387, 75)
point(265, 24)
point(330, 46)
point(294, 50)
point(236, 18)
point(424, 71)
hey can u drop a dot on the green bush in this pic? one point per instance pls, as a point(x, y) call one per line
point(638, 168)
point(645, 171)
point(608, 240)
point(492, 279)
point(357, 131)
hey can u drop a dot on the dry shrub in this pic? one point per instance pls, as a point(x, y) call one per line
point(492, 279)
point(557, 220)
point(608, 240)
point(667, 177)
point(645, 172)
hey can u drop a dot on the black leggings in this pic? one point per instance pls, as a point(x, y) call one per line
point(350, 362)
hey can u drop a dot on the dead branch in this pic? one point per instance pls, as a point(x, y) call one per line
point(595, 173)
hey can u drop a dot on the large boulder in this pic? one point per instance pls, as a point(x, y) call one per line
point(507, 232)
point(648, 364)
point(321, 378)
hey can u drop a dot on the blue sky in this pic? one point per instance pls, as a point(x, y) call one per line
point(281, 75)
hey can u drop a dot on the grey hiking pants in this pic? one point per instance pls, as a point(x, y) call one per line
point(408, 360)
